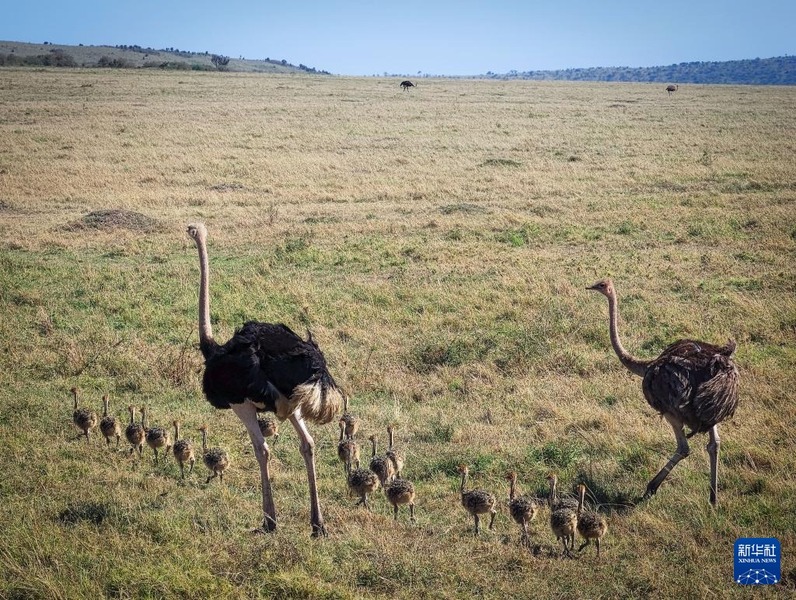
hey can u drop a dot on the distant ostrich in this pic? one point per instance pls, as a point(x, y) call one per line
point(266, 367)
point(691, 383)
point(477, 502)
point(109, 425)
point(407, 84)
point(83, 418)
point(672, 89)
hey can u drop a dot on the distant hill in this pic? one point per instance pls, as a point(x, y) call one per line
point(123, 56)
point(780, 70)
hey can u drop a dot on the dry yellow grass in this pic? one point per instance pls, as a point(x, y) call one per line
point(437, 242)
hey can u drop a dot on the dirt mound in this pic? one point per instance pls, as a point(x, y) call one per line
point(115, 218)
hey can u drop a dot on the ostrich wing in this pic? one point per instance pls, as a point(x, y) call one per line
point(694, 381)
point(262, 362)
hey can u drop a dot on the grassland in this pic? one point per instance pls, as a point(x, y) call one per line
point(437, 242)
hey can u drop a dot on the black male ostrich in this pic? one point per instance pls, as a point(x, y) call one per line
point(407, 84)
point(691, 383)
point(672, 89)
point(266, 367)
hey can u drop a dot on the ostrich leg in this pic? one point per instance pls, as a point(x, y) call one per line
point(713, 451)
point(248, 414)
point(308, 452)
point(682, 451)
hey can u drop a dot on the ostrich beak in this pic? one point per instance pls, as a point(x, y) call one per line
point(592, 287)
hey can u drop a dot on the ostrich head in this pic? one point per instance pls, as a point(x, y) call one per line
point(552, 478)
point(604, 286)
point(463, 469)
point(197, 231)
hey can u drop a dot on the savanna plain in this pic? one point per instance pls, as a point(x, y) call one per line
point(437, 242)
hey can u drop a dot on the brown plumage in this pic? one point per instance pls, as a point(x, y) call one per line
point(347, 449)
point(83, 418)
point(591, 525)
point(398, 492)
point(269, 426)
point(109, 425)
point(135, 433)
point(477, 502)
point(381, 465)
point(362, 482)
point(156, 437)
point(396, 456)
point(183, 450)
point(522, 509)
point(691, 384)
point(563, 517)
point(215, 459)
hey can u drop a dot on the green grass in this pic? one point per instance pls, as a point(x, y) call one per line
point(438, 246)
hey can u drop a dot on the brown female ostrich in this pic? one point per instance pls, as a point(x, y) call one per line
point(109, 425)
point(591, 525)
point(522, 509)
point(672, 89)
point(266, 367)
point(691, 383)
point(83, 418)
point(477, 502)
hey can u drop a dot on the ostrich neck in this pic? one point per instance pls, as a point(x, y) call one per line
point(374, 447)
point(205, 329)
point(581, 500)
point(464, 481)
point(633, 364)
point(75, 395)
point(512, 490)
point(552, 493)
point(204, 442)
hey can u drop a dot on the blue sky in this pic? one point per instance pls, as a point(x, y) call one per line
point(436, 37)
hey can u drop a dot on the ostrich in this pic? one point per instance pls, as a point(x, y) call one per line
point(183, 450)
point(407, 84)
point(563, 522)
point(83, 418)
point(109, 425)
point(522, 509)
point(361, 482)
point(269, 427)
point(395, 455)
point(135, 433)
point(672, 89)
point(156, 437)
point(400, 491)
point(477, 502)
point(347, 449)
point(266, 367)
point(691, 383)
point(350, 421)
point(554, 501)
point(382, 466)
point(215, 459)
point(591, 525)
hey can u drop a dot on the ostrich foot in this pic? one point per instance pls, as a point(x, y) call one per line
point(319, 530)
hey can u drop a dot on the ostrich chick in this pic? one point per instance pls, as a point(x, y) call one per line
point(398, 492)
point(135, 433)
point(156, 437)
point(381, 465)
point(350, 421)
point(522, 509)
point(183, 450)
point(396, 456)
point(109, 425)
point(554, 501)
point(563, 517)
point(591, 525)
point(83, 418)
point(362, 482)
point(347, 449)
point(477, 502)
point(215, 459)
point(269, 427)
